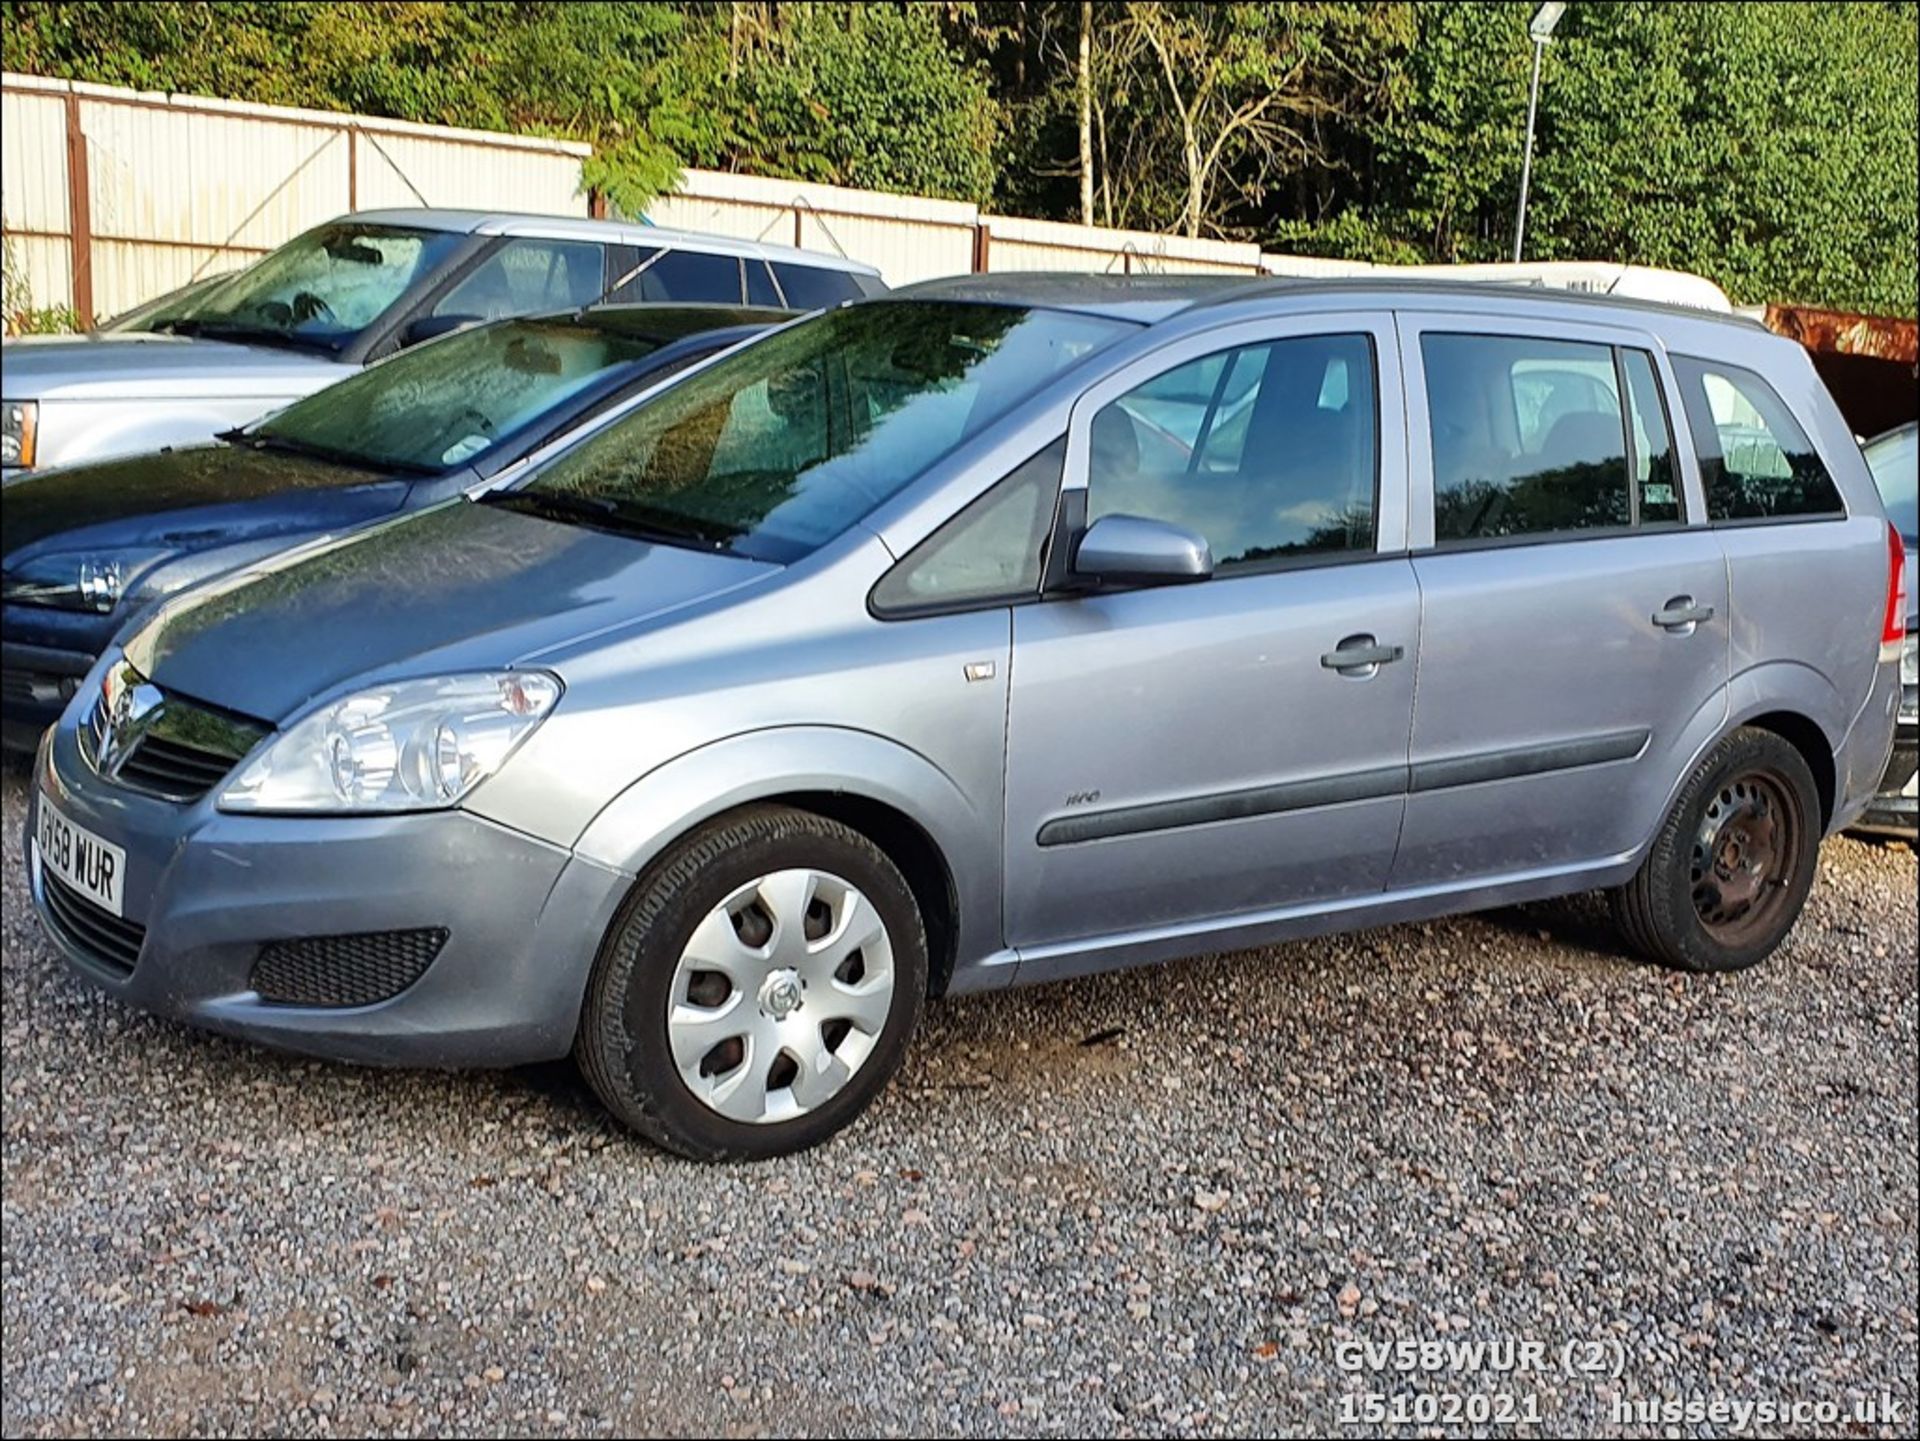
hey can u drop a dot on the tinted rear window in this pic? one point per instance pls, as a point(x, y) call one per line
point(1755, 461)
point(808, 288)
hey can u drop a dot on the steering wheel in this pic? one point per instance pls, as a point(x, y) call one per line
point(308, 306)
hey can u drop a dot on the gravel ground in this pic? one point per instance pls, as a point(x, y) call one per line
point(1149, 1204)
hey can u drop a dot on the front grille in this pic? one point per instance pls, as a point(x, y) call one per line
point(161, 743)
point(109, 940)
point(356, 970)
point(172, 768)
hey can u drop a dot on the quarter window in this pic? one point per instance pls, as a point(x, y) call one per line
point(1656, 485)
point(1268, 450)
point(994, 550)
point(1755, 461)
point(812, 287)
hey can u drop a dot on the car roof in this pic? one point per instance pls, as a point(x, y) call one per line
point(1149, 299)
point(605, 232)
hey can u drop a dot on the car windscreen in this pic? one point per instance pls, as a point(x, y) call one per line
point(778, 448)
point(449, 401)
point(1895, 462)
point(319, 291)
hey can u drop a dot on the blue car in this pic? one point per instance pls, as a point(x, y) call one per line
point(87, 546)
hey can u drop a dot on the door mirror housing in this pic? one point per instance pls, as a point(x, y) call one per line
point(432, 327)
point(1131, 550)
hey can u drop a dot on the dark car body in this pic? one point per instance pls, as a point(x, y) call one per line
point(1895, 810)
point(87, 546)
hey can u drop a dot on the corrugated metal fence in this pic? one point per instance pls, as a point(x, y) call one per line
point(112, 197)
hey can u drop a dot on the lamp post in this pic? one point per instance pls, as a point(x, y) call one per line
point(1540, 31)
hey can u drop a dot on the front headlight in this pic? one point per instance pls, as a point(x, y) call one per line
point(19, 427)
point(1910, 661)
point(415, 745)
point(75, 580)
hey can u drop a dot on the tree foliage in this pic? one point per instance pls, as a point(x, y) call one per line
point(1771, 147)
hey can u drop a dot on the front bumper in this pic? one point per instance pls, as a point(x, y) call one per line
point(523, 919)
point(44, 655)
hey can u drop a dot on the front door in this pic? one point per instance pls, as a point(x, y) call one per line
point(1190, 753)
point(1574, 638)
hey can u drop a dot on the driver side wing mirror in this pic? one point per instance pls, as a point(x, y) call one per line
point(1131, 550)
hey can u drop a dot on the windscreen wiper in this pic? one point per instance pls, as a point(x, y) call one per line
point(599, 513)
point(267, 440)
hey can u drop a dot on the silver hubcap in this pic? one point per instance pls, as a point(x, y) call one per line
point(780, 996)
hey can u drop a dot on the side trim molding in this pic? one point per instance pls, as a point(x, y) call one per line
point(1226, 806)
point(1445, 774)
point(1502, 765)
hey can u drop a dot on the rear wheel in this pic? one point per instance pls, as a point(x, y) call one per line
point(757, 990)
point(1731, 868)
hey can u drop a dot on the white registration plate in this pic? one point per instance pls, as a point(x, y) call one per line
point(95, 868)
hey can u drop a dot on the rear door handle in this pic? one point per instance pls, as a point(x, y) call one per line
point(1682, 615)
point(1360, 655)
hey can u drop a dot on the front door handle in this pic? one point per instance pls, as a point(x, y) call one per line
point(1360, 655)
point(1681, 615)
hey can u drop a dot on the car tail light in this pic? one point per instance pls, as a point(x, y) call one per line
point(1893, 628)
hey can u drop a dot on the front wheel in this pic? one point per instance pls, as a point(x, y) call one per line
point(757, 990)
point(1732, 866)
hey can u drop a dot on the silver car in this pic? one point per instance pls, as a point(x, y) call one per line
point(1003, 630)
point(219, 353)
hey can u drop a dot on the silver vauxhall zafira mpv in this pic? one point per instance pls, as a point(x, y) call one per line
point(1000, 630)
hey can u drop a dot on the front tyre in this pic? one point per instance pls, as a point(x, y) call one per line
point(757, 989)
point(1732, 866)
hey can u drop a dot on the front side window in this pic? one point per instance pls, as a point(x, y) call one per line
point(448, 402)
point(1268, 451)
point(1755, 460)
point(776, 449)
point(524, 277)
point(319, 291)
point(1529, 437)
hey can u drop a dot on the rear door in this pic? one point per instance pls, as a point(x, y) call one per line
point(1574, 637)
point(1193, 753)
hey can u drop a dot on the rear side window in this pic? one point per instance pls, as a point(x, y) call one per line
point(1755, 461)
point(1535, 437)
point(811, 288)
point(760, 289)
point(692, 277)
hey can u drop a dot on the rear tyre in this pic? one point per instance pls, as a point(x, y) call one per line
point(1732, 866)
point(757, 989)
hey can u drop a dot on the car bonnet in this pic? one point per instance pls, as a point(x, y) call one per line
point(458, 587)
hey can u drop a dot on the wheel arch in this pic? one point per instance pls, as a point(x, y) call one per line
point(1804, 735)
point(946, 848)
